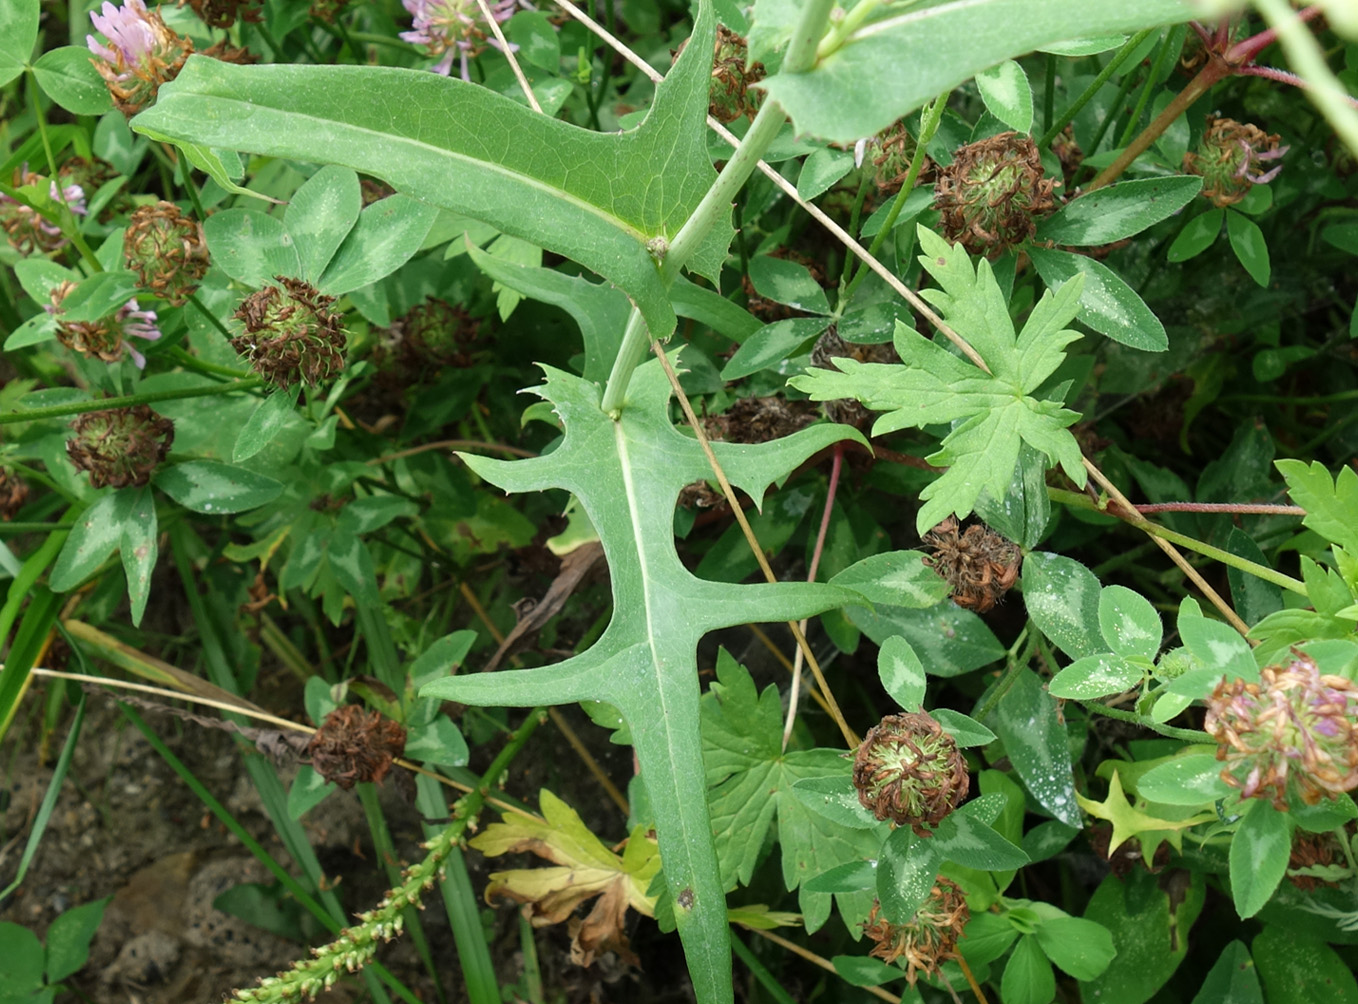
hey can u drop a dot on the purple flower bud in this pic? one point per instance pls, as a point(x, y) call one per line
point(141, 55)
point(451, 28)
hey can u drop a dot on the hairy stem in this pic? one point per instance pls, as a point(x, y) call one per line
point(1131, 515)
point(1187, 735)
point(127, 401)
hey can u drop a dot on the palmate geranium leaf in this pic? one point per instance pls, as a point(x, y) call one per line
point(752, 778)
point(992, 414)
point(595, 198)
point(627, 475)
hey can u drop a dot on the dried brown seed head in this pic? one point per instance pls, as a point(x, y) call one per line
point(979, 564)
point(910, 771)
point(928, 939)
point(290, 333)
point(120, 447)
point(354, 745)
point(993, 193)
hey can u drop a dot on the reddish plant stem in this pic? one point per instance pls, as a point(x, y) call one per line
point(1238, 508)
point(1222, 62)
point(1217, 69)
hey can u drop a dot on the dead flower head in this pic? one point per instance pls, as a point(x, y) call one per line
point(993, 193)
point(979, 564)
point(910, 771)
point(1294, 730)
point(120, 447)
point(167, 251)
point(928, 939)
point(354, 745)
point(290, 333)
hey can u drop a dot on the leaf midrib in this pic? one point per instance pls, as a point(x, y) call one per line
point(463, 158)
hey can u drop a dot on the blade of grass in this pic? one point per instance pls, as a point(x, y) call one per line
point(49, 801)
point(459, 900)
point(262, 773)
point(30, 640)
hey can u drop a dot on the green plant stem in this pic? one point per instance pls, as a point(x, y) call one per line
point(532, 971)
point(192, 362)
point(801, 54)
point(1144, 97)
point(760, 972)
point(186, 176)
point(1215, 70)
point(841, 30)
point(1225, 557)
point(1014, 664)
point(1055, 128)
point(127, 401)
point(1309, 62)
point(1169, 731)
point(69, 226)
point(1077, 500)
point(1115, 109)
point(933, 115)
point(1049, 93)
point(855, 216)
point(636, 338)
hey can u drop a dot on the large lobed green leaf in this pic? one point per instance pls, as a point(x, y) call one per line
point(992, 414)
point(627, 475)
point(752, 779)
point(893, 65)
point(595, 198)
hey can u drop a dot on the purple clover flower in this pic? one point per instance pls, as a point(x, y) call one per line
point(141, 54)
point(1293, 731)
point(137, 323)
point(107, 337)
point(455, 28)
point(129, 30)
point(27, 229)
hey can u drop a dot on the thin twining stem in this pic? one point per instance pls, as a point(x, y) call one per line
point(1230, 508)
point(1080, 500)
point(1173, 552)
point(818, 960)
point(259, 716)
point(832, 707)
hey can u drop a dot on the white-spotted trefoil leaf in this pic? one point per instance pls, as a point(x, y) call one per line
point(991, 414)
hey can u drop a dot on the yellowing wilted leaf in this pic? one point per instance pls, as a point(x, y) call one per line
point(584, 868)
